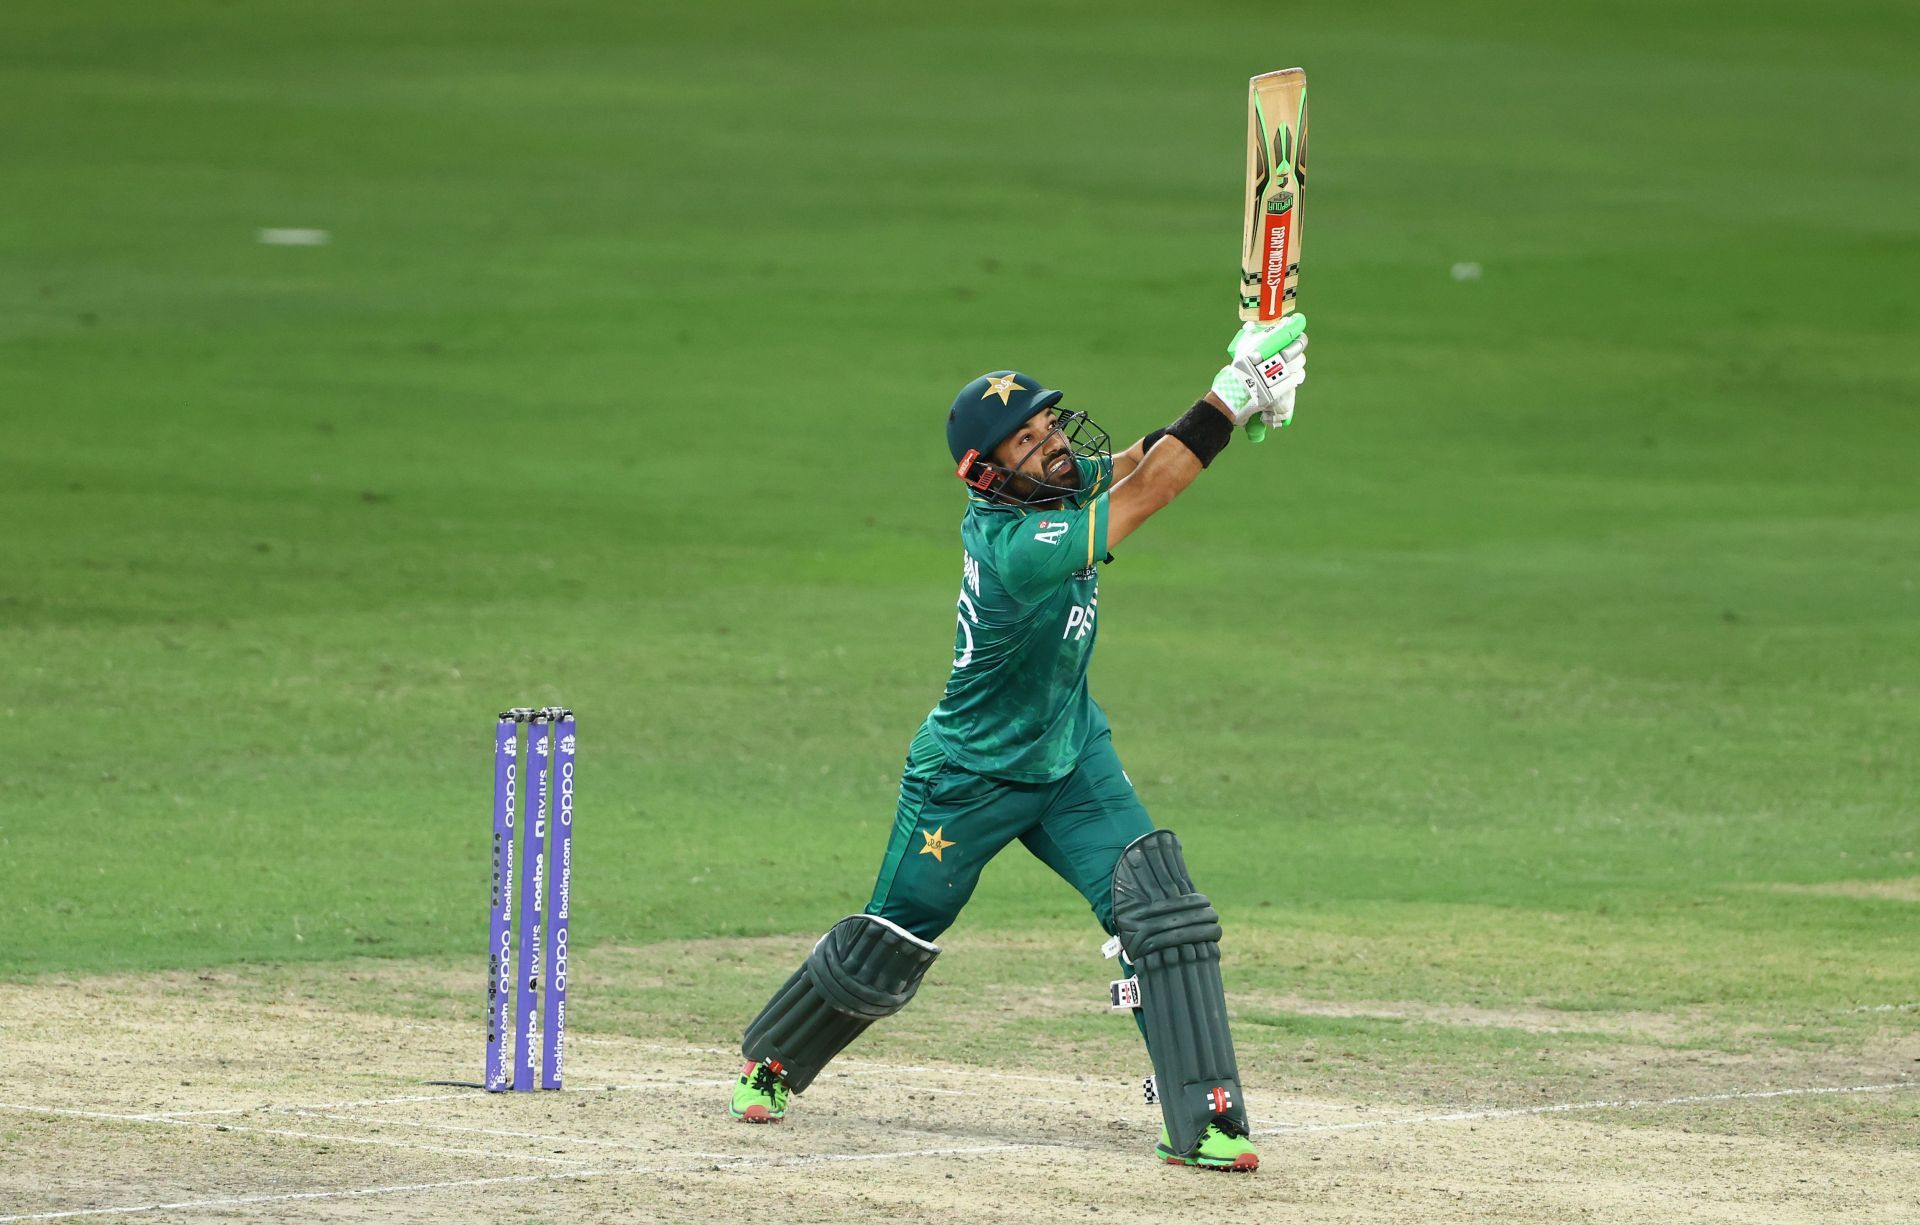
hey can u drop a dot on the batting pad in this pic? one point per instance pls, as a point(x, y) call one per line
point(1172, 937)
point(863, 969)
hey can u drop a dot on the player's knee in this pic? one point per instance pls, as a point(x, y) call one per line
point(1103, 910)
point(925, 922)
point(1155, 904)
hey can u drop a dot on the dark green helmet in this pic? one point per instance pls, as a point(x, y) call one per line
point(990, 408)
point(987, 412)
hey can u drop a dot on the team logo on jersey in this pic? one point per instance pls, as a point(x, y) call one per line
point(935, 843)
point(1051, 530)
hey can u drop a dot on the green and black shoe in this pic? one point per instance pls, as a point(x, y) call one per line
point(1224, 1147)
point(761, 1096)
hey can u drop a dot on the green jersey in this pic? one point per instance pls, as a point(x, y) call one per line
point(1016, 705)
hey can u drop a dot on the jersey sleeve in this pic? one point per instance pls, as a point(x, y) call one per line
point(1096, 475)
point(1046, 547)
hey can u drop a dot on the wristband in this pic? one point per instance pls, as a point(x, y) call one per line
point(1204, 430)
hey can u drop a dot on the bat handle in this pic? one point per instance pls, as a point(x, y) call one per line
point(1256, 430)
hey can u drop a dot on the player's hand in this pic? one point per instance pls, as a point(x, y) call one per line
point(1294, 358)
point(1276, 416)
point(1268, 364)
point(1282, 411)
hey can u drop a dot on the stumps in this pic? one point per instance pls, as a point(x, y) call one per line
point(522, 1053)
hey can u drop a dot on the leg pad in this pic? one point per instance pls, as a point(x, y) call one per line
point(1171, 934)
point(863, 969)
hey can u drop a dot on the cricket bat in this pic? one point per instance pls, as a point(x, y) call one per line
point(1276, 183)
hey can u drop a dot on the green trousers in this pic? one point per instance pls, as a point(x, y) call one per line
point(951, 822)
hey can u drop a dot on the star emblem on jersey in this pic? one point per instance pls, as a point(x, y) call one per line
point(935, 843)
point(1004, 387)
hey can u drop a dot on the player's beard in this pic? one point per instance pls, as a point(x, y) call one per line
point(1024, 487)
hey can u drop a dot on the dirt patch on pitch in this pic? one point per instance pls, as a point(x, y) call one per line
point(1659, 1026)
point(1901, 889)
point(298, 1091)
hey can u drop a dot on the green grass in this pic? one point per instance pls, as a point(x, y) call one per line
point(1579, 602)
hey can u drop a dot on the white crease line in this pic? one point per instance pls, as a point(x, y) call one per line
point(281, 1131)
point(461, 1096)
point(503, 1133)
point(1514, 1112)
point(241, 1201)
point(668, 1082)
point(828, 1080)
point(727, 1166)
point(365, 1101)
point(756, 1163)
point(431, 1125)
point(674, 1050)
point(864, 1067)
point(878, 1069)
point(844, 1069)
point(824, 1158)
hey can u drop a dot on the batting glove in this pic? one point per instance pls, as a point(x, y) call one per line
point(1293, 359)
point(1268, 364)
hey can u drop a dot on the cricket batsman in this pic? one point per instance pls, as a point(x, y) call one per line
point(1017, 749)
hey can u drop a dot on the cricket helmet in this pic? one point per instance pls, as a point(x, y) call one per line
point(987, 411)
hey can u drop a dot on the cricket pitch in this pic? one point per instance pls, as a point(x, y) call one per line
point(279, 1092)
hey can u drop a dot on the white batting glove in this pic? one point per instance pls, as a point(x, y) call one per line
point(1294, 356)
point(1282, 410)
point(1268, 364)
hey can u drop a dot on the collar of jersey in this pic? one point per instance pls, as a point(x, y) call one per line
point(984, 504)
point(1077, 503)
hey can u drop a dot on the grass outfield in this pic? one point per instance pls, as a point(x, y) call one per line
point(1563, 654)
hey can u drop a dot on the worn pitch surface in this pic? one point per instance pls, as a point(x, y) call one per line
point(223, 1095)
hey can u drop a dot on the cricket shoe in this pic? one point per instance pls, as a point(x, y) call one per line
point(761, 1096)
point(1224, 1147)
